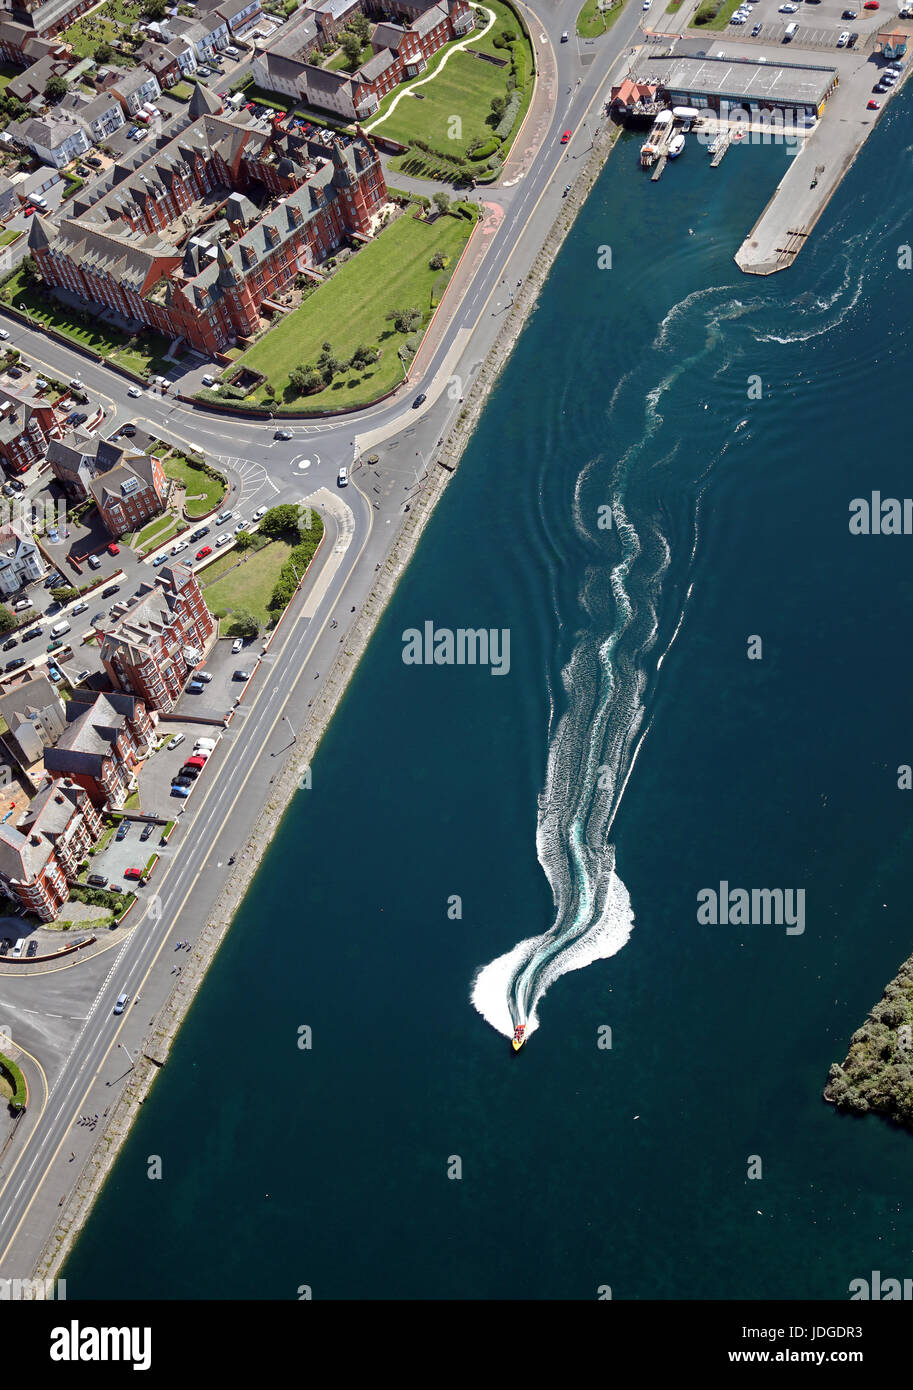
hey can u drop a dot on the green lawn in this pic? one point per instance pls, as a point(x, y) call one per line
point(7, 73)
point(245, 583)
point(391, 273)
point(9, 236)
point(592, 21)
point(702, 18)
point(339, 62)
point(203, 492)
point(147, 360)
point(111, 21)
point(180, 91)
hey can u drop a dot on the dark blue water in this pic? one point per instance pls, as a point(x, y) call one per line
point(583, 1166)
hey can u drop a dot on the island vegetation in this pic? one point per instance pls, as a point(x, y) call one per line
point(877, 1073)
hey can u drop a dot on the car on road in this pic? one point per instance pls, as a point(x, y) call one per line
point(565, 137)
point(174, 742)
point(97, 880)
point(240, 675)
point(123, 830)
point(241, 526)
point(342, 479)
point(113, 548)
point(16, 662)
point(223, 517)
point(10, 643)
point(133, 873)
point(3, 333)
point(843, 39)
point(224, 539)
point(147, 830)
point(98, 618)
point(111, 589)
point(756, 31)
point(199, 533)
point(32, 632)
point(203, 552)
point(260, 512)
point(181, 545)
point(134, 391)
point(236, 645)
point(160, 559)
point(122, 1001)
point(646, 4)
point(32, 949)
point(872, 105)
point(564, 36)
point(283, 434)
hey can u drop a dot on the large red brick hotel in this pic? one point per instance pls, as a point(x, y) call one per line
point(213, 226)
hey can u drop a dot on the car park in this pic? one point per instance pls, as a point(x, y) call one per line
point(122, 1002)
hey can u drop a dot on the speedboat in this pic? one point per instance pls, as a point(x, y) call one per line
point(676, 145)
point(519, 1037)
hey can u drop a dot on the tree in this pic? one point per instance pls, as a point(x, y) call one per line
point(30, 272)
point(498, 106)
point(103, 53)
point(351, 47)
point(441, 202)
point(6, 619)
point(56, 88)
point(361, 26)
point(244, 623)
point(243, 540)
point(155, 9)
point(63, 593)
point(405, 320)
point(363, 356)
point(437, 261)
point(327, 364)
point(281, 521)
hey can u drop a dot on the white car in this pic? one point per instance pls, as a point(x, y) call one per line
point(204, 676)
point(223, 539)
point(261, 511)
point(843, 39)
point(181, 545)
point(788, 9)
point(208, 380)
point(3, 333)
point(646, 5)
point(343, 478)
point(241, 526)
point(134, 391)
point(236, 645)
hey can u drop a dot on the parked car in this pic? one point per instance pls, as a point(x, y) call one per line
point(181, 545)
point(872, 105)
point(32, 949)
point(209, 380)
point(260, 512)
point(756, 31)
point(123, 830)
point(223, 517)
point(16, 662)
point(94, 562)
point(843, 39)
point(871, 5)
point(4, 945)
point(10, 643)
point(128, 430)
point(199, 533)
point(204, 676)
point(122, 1001)
point(174, 742)
point(203, 552)
point(182, 780)
point(32, 632)
point(196, 760)
point(160, 559)
point(82, 676)
point(848, 14)
point(79, 607)
point(133, 873)
point(111, 589)
point(147, 830)
point(98, 618)
point(236, 645)
point(179, 789)
point(240, 675)
point(3, 333)
point(113, 548)
point(191, 772)
point(196, 687)
point(224, 539)
point(97, 880)
point(93, 160)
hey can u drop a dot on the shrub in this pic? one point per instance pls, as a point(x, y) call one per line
point(506, 123)
point(487, 149)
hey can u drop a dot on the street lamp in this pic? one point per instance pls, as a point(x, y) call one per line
point(26, 312)
point(128, 1052)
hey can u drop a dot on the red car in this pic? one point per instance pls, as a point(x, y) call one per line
point(873, 105)
point(206, 550)
point(565, 137)
point(27, 212)
point(196, 761)
point(113, 549)
point(871, 5)
point(133, 873)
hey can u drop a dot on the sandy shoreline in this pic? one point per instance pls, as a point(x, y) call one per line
point(75, 1209)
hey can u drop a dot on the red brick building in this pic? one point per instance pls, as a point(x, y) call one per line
point(151, 648)
point(166, 249)
point(106, 739)
point(41, 857)
point(26, 425)
point(131, 492)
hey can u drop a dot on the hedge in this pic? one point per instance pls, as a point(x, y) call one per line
point(21, 1090)
point(485, 150)
point(506, 123)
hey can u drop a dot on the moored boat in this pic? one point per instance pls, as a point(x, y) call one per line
point(676, 145)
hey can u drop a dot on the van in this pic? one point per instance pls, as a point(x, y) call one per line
point(17, 949)
point(790, 32)
point(60, 628)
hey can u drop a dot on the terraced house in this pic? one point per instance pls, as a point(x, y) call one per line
point(408, 34)
point(40, 857)
point(160, 636)
point(107, 738)
point(213, 226)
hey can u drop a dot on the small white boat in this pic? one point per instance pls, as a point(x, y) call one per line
point(676, 145)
